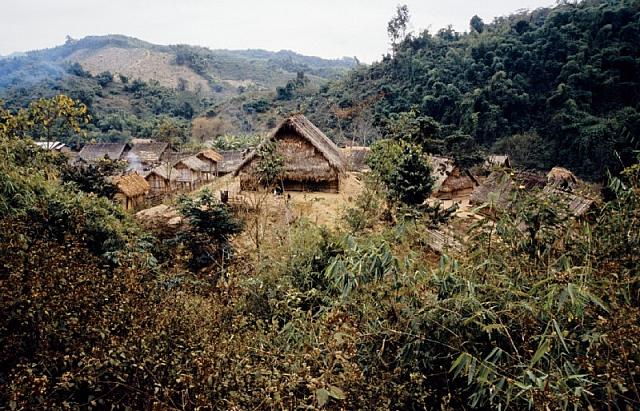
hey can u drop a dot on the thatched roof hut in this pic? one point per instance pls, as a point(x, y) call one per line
point(190, 172)
point(192, 163)
point(457, 184)
point(211, 155)
point(212, 159)
point(149, 152)
point(95, 152)
point(498, 188)
point(131, 190)
point(231, 160)
point(161, 178)
point(312, 162)
point(355, 157)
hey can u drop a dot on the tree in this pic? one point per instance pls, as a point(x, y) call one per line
point(476, 24)
point(210, 227)
point(58, 118)
point(269, 167)
point(411, 181)
point(402, 169)
point(397, 26)
point(105, 78)
point(93, 178)
point(464, 150)
point(416, 128)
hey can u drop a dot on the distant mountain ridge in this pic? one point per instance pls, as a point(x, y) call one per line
point(192, 67)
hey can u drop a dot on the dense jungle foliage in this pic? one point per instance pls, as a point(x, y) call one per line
point(101, 312)
point(562, 81)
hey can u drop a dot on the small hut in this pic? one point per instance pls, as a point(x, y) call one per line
point(312, 162)
point(161, 179)
point(132, 189)
point(457, 184)
point(191, 172)
point(212, 159)
point(356, 157)
point(94, 152)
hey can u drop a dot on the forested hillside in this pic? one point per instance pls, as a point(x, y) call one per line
point(551, 86)
point(199, 69)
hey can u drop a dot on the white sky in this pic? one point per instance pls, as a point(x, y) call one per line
point(326, 28)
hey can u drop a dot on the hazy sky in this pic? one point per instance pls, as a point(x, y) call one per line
point(326, 28)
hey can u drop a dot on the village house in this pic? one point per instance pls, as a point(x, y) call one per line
point(456, 184)
point(147, 154)
point(161, 179)
point(94, 152)
point(191, 172)
point(212, 159)
point(132, 189)
point(312, 162)
point(231, 160)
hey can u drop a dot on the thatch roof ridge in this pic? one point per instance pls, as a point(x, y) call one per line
point(559, 175)
point(311, 133)
point(97, 151)
point(149, 152)
point(162, 171)
point(211, 154)
point(131, 185)
point(193, 163)
point(231, 159)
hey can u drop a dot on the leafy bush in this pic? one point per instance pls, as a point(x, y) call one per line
point(210, 226)
point(403, 169)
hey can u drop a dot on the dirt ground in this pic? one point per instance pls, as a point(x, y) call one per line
point(320, 208)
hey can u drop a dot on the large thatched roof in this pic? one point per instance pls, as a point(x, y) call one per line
point(131, 185)
point(94, 152)
point(457, 180)
point(149, 152)
point(299, 124)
